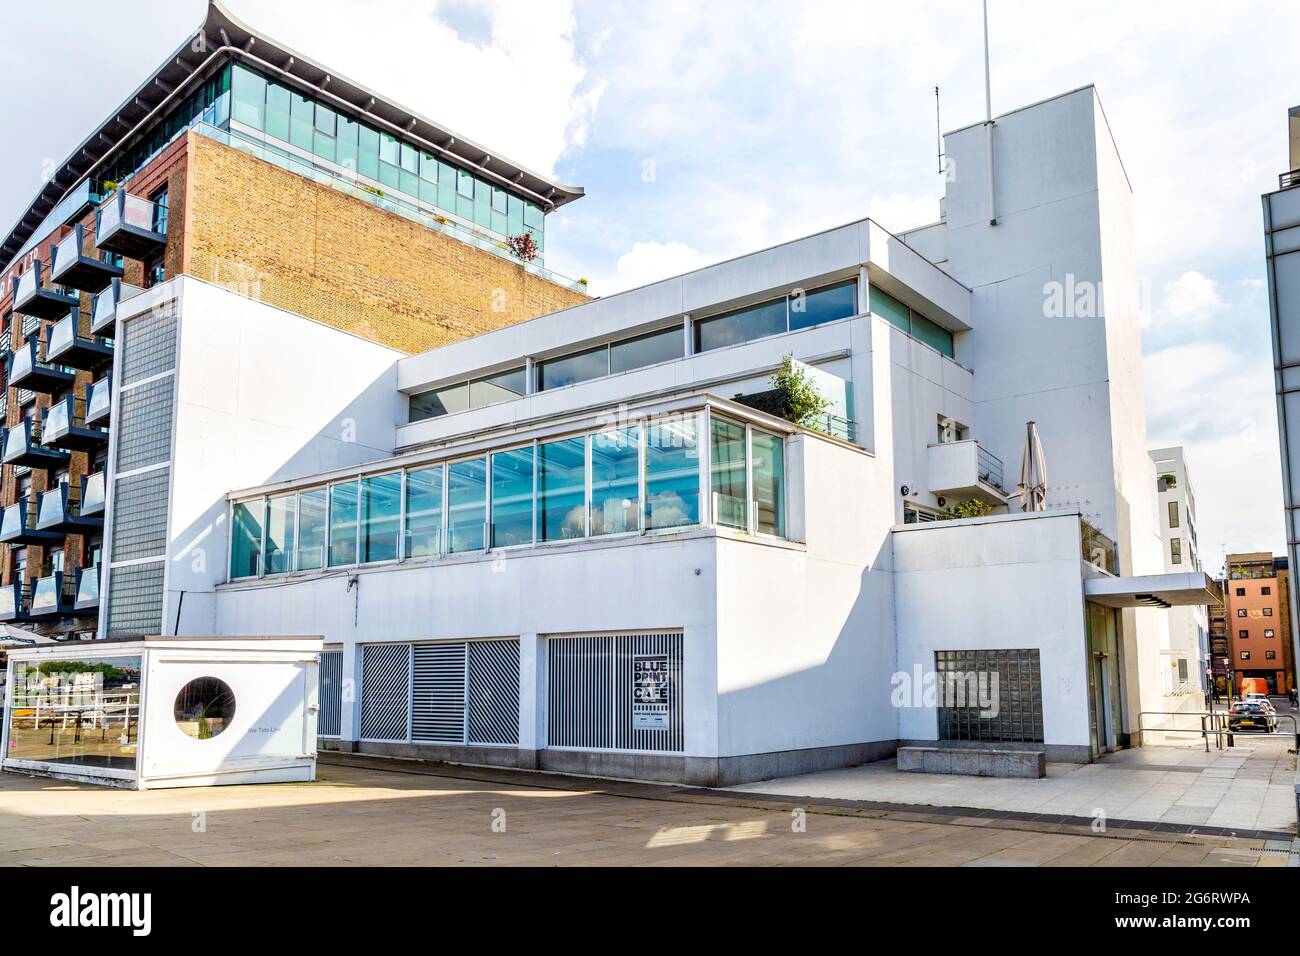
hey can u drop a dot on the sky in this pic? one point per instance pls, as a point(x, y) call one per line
point(703, 131)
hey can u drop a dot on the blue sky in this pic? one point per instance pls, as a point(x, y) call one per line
point(705, 130)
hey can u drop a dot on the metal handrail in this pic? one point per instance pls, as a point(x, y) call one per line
point(989, 464)
point(1214, 723)
point(1289, 179)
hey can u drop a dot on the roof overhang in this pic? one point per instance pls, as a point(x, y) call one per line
point(222, 36)
point(1182, 589)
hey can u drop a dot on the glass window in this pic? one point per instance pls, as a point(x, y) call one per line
point(423, 512)
point(891, 310)
point(754, 322)
point(514, 215)
point(662, 346)
point(501, 387)
point(727, 473)
point(615, 481)
point(767, 459)
point(562, 489)
point(1173, 514)
point(389, 149)
point(932, 334)
point(824, 305)
point(347, 144)
point(1175, 550)
point(464, 184)
point(103, 693)
point(279, 533)
point(302, 119)
point(367, 151)
point(672, 473)
point(483, 206)
point(246, 539)
point(512, 497)
point(313, 516)
point(410, 158)
point(381, 516)
point(343, 523)
point(249, 91)
point(447, 186)
point(428, 167)
point(277, 111)
point(570, 369)
point(439, 401)
point(326, 120)
point(466, 505)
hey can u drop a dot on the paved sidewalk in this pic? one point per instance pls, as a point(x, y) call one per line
point(1250, 787)
point(375, 812)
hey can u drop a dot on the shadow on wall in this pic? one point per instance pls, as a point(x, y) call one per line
point(199, 554)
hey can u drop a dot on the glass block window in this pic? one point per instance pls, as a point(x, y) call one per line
point(135, 600)
point(990, 696)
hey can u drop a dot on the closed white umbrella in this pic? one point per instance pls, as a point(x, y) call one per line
point(1033, 472)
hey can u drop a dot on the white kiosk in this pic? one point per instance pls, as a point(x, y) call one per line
point(164, 711)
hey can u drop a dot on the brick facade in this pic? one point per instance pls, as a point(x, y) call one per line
point(310, 249)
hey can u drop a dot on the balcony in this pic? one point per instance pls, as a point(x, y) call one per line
point(73, 268)
point(103, 315)
point(63, 428)
point(129, 225)
point(22, 446)
point(18, 526)
point(31, 297)
point(87, 598)
point(13, 607)
point(965, 469)
point(49, 599)
point(69, 348)
point(1289, 180)
point(92, 494)
point(99, 404)
point(58, 513)
point(26, 371)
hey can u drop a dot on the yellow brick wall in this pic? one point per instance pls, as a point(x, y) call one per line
point(310, 249)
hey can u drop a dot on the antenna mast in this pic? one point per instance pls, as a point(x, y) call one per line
point(938, 129)
point(988, 121)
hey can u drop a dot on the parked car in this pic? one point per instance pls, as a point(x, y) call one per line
point(1252, 715)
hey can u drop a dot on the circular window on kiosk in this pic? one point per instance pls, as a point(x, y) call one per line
point(204, 707)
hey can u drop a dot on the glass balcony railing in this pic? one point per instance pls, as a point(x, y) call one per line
point(99, 404)
point(26, 371)
point(17, 526)
point(1098, 549)
point(87, 598)
point(68, 347)
point(58, 512)
point(377, 197)
point(49, 598)
point(22, 446)
point(129, 225)
point(92, 494)
point(72, 267)
point(33, 298)
point(103, 315)
point(12, 603)
point(63, 428)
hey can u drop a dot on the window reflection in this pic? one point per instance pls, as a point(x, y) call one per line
point(672, 473)
point(466, 505)
point(615, 481)
point(562, 489)
point(83, 712)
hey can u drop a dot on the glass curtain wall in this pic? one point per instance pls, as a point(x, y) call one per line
point(314, 127)
point(618, 481)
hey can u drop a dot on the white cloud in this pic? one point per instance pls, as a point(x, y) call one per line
point(649, 262)
point(1191, 299)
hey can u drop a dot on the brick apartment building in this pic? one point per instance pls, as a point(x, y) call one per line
point(1258, 620)
point(247, 167)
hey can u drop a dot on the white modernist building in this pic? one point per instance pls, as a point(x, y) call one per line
point(586, 542)
point(1187, 655)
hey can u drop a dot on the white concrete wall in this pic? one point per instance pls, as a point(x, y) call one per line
point(1063, 207)
point(262, 395)
point(1013, 581)
point(804, 637)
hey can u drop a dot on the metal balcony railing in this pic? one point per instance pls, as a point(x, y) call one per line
point(1289, 180)
point(989, 465)
point(49, 599)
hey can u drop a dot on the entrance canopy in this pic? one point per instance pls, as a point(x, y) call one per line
point(1154, 590)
